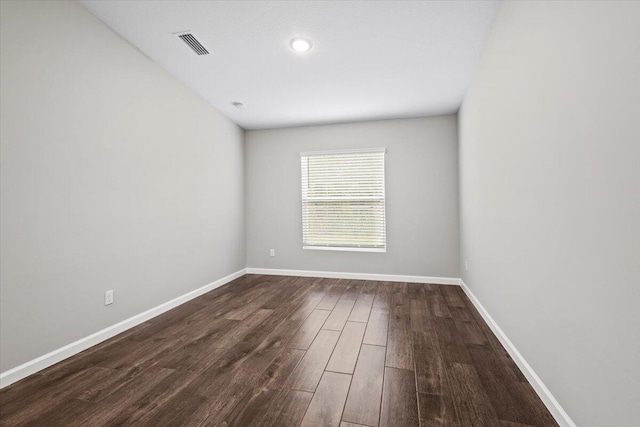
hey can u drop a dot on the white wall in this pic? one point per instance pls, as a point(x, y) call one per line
point(421, 196)
point(550, 198)
point(113, 176)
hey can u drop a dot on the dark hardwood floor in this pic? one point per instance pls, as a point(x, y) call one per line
point(290, 351)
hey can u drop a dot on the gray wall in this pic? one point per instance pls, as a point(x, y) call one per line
point(550, 198)
point(114, 176)
point(421, 196)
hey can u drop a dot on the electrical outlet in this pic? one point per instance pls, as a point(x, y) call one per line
point(108, 297)
point(272, 252)
point(466, 266)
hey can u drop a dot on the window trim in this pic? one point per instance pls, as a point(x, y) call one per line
point(353, 151)
point(347, 248)
point(383, 198)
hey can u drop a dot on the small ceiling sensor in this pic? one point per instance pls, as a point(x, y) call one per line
point(238, 105)
point(300, 45)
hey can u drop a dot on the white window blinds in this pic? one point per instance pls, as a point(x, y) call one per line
point(343, 200)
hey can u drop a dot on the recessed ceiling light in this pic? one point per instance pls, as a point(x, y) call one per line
point(238, 105)
point(300, 45)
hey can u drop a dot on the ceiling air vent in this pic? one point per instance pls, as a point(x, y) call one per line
point(193, 43)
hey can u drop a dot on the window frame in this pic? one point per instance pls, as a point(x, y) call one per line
point(383, 198)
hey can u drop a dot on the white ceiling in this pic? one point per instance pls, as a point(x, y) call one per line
point(370, 59)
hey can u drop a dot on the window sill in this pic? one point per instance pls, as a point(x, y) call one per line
point(344, 249)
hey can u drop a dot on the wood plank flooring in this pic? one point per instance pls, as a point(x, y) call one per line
point(291, 351)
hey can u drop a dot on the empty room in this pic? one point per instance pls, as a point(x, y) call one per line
point(320, 213)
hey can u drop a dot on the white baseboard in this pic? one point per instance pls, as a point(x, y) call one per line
point(49, 359)
point(356, 276)
point(547, 398)
point(42, 362)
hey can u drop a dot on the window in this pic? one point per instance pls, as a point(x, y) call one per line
point(343, 200)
